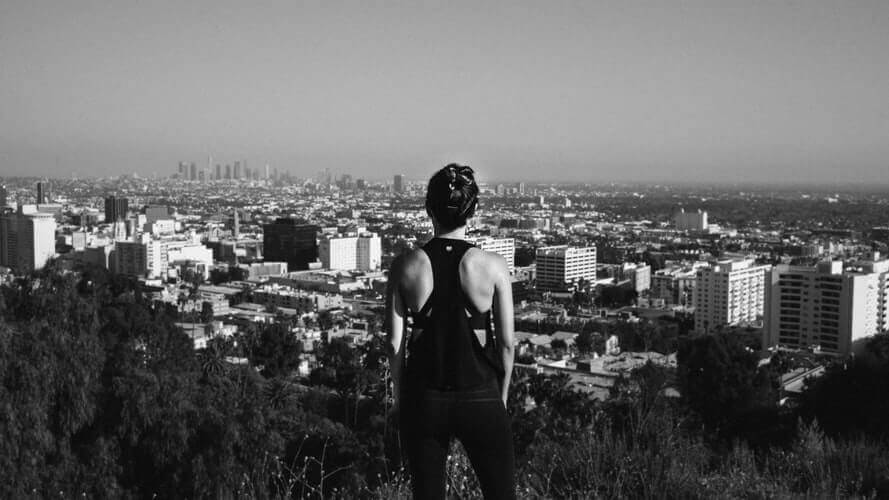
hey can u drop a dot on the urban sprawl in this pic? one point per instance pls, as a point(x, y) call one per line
point(230, 246)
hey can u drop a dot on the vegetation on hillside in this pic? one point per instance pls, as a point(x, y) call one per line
point(102, 395)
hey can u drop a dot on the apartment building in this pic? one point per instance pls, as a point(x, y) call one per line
point(559, 268)
point(727, 293)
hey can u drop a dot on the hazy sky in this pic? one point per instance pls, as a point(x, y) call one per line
point(590, 90)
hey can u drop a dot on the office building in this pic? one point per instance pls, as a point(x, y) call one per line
point(218, 172)
point(559, 268)
point(27, 239)
point(824, 306)
point(144, 258)
point(42, 192)
point(505, 247)
point(339, 252)
point(370, 252)
point(287, 241)
point(691, 221)
point(115, 209)
point(398, 184)
point(237, 171)
point(727, 293)
point(351, 252)
point(4, 193)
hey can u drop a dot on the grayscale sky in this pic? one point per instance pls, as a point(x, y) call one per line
point(591, 90)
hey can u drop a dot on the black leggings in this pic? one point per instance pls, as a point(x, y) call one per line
point(429, 418)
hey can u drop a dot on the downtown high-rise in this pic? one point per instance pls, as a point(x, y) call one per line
point(286, 240)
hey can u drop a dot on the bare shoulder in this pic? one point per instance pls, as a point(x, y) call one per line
point(411, 264)
point(487, 263)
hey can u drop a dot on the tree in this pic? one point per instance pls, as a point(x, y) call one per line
point(276, 348)
point(584, 341)
point(616, 296)
point(206, 312)
point(717, 375)
point(850, 398)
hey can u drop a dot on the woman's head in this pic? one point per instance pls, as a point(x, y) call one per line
point(452, 196)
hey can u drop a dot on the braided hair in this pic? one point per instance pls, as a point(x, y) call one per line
point(452, 196)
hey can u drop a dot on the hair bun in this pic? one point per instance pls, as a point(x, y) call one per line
point(452, 194)
point(459, 176)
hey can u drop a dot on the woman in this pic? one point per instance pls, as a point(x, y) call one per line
point(451, 339)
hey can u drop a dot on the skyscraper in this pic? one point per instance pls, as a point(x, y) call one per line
point(115, 209)
point(193, 169)
point(27, 240)
point(398, 183)
point(228, 171)
point(287, 241)
point(41, 193)
point(3, 194)
point(237, 170)
point(218, 172)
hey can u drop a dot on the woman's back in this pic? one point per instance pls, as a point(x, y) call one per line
point(452, 342)
point(479, 272)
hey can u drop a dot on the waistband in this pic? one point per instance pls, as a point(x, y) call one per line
point(489, 390)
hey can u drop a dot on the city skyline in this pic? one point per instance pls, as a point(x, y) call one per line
point(592, 92)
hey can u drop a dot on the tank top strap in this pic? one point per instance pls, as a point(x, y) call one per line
point(445, 256)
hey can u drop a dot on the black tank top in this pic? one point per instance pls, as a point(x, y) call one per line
point(451, 344)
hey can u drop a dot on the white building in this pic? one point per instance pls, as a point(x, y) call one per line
point(691, 221)
point(504, 247)
point(339, 252)
point(191, 256)
point(729, 292)
point(146, 258)
point(27, 239)
point(351, 252)
point(824, 306)
point(158, 227)
point(675, 283)
point(639, 275)
point(881, 268)
point(561, 267)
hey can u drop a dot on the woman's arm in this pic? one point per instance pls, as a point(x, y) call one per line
point(504, 322)
point(395, 334)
